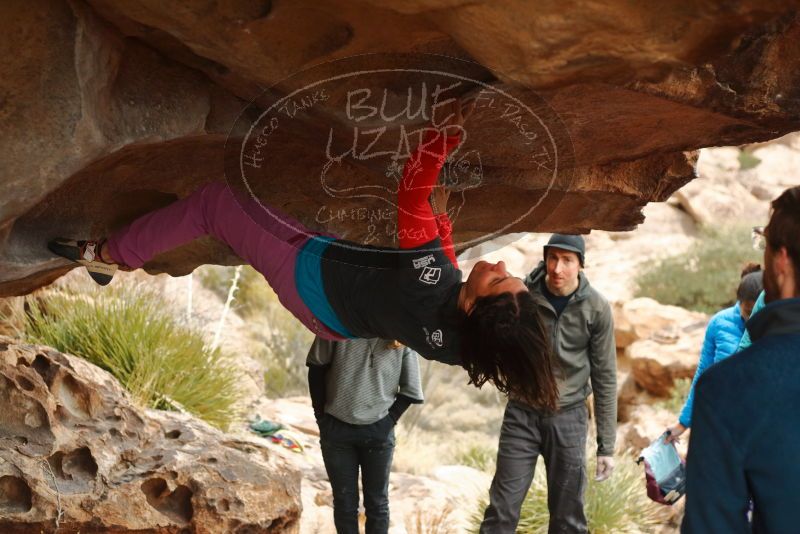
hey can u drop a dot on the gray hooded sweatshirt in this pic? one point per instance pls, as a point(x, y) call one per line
point(583, 340)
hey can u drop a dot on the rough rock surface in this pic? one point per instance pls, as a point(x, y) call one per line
point(627, 393)
point(656, 366)
point(111, 109)
point(645, 319)
point(76, 453)
point(726, 192)
point(661, 343)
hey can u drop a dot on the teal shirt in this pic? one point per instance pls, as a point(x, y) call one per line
point(308, 279)
point(745, 342)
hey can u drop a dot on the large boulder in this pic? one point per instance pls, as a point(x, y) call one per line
point(741, 177)
point(656, 366)
point(717, 197)
point(78, 456)
point(645, 318)
point(775, 167)
point(736, 184)
point(628, 394)
point(111, 109)
point(661, 343)
point(612, 258)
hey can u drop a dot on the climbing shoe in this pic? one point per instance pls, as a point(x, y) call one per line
point(86, 253)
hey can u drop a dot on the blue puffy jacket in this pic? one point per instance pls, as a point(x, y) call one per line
point(722, 339)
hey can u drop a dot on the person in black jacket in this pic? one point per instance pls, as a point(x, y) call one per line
point(745, 442)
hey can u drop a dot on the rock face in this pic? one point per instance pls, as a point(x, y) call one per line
point(76, 454)
point(735, 186)
point(661, 343)
point(644, 318)
point(585, 114)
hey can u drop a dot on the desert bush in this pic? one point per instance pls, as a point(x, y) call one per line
point(125, 330)
point(705, 277)
point(284, 376)
point(430, 521)
point(285, 343)
point(454, 413)
point(254, 296)
point(747, 160)
point(618, 505)
point(282, 341)
point(478, 456)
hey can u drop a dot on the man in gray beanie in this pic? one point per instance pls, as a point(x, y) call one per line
point(582, 328)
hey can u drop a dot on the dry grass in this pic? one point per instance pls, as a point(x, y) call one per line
point(431, 521)
point(455, 418)
point(281, 342)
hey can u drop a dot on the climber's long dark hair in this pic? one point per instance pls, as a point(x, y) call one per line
point(504, 342)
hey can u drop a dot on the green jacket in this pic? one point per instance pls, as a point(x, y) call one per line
point(583, 339)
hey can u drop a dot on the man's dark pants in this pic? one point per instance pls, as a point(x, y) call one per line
point(561, 440)
point(347, 447)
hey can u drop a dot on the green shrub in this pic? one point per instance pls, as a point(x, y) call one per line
point(285, 377)
point(747, 160)
point(281, 339)
point(677, 396)
point(253, 296)
point(480, 457)
point(618, 505)
point(125, 330)
point(704, 278)
point(284, 346)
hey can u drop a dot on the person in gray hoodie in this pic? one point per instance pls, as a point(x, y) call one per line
point(581, 329)
point(359, 389)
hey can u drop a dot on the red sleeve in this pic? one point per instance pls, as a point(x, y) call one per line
point(445, 228)
point(416, 223)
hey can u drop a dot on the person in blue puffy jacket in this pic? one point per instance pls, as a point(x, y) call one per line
point(724, 332)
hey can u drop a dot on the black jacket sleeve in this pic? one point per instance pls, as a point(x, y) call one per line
point(316, 388)
point(400, 405)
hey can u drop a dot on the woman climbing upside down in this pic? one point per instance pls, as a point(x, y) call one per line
point(338, 289)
